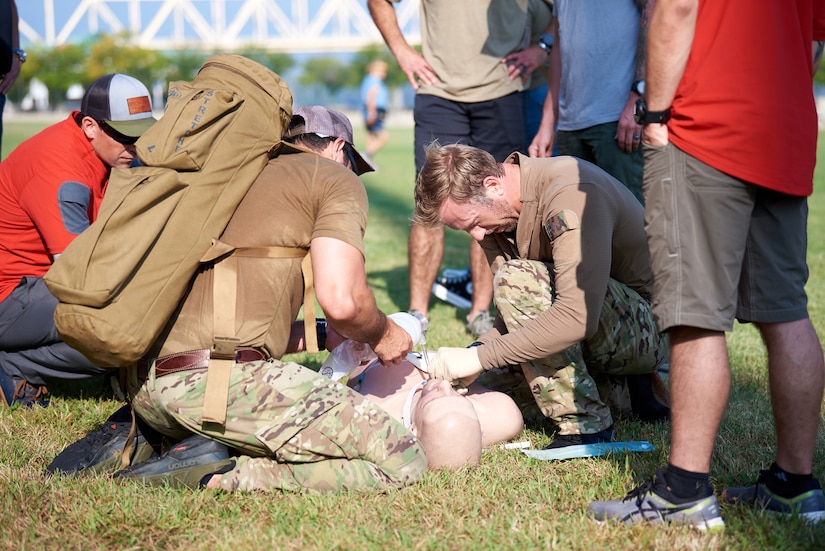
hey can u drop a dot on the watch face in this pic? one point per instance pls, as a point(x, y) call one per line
point(546, 42)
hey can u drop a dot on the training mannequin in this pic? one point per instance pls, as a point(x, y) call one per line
point(452, 427)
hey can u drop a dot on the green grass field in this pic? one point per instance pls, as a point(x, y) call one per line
point(508, 502)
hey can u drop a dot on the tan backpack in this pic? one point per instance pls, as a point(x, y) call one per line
point(120, 281)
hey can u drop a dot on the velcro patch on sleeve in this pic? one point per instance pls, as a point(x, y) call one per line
point(560, 223)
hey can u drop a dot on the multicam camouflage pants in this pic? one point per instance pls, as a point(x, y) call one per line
point(299, 431)
point(574, 387)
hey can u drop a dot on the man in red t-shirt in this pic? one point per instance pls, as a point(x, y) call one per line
point(726, 186)
point(51, 187)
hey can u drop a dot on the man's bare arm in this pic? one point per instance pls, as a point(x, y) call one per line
point(347, 300)
point(670, 39)
point(411, 62)
point(544, 140)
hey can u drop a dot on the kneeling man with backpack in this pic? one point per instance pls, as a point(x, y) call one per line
point(211, 377)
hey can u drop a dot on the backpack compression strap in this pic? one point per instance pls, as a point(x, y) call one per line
point(225, 341)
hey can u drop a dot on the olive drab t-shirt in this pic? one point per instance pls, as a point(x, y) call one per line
point(464, 42)
point(299, 196)
point(591, 228)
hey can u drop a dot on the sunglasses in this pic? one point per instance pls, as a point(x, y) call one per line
point(117, 136)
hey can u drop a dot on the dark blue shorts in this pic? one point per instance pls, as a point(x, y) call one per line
point(378, 125)
point(496, 126)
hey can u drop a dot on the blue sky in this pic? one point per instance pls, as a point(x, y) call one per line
point(32, 15)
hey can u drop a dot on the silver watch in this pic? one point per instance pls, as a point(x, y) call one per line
point(546, 42)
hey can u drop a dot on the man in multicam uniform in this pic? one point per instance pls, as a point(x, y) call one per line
point(572, 284)
point(297, 430)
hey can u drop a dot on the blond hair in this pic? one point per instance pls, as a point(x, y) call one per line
point(377, 64)
point(455, 172)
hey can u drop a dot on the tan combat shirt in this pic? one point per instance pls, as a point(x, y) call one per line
point(590, 228)
point(297, 197)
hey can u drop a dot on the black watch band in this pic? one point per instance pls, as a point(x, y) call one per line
point(321, 333)
point(643, 116)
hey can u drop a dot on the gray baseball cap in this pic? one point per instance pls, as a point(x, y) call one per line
point(327, 123)
point(120, 101)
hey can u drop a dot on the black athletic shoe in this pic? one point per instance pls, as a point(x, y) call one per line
point(185, 465)
point(809, 503)
point(100, 451)
point(564, 440)
point(455, 287)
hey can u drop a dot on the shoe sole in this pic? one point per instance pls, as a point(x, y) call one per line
point(448, 296)
point(713, 526)
point(813, 516)
point(182, 473)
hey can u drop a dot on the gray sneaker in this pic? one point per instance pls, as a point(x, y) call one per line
point(809, 505)
point(645, 504)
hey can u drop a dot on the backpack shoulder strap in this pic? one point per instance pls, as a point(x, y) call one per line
point(225, 340)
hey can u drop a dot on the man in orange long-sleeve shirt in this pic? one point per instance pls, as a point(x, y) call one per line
point(51, 187)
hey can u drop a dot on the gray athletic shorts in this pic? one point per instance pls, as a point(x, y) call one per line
point(721, 248)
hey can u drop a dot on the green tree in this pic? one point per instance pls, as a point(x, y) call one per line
point(83, 62)
point(117, 54)
point(395, 76)
point(280, 63)
point(819, 77)
point(57, 68)
point(182, 65)
point(329, 73)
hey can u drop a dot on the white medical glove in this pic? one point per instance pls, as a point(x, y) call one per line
point(460, 366)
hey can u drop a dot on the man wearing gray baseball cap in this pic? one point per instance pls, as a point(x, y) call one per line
point(51, 187)
point(307, 202)
point(329, 133)
point(120, 102)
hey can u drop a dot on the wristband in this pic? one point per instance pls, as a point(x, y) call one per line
point(474, 344)
point(321, 333)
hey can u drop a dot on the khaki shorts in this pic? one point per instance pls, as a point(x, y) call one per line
point(721, 248)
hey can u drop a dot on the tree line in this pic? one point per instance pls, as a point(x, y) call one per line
point(82, 62)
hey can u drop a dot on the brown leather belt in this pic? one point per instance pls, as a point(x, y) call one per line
point(195, 359)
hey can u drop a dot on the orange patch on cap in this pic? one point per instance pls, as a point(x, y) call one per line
point(140, 104)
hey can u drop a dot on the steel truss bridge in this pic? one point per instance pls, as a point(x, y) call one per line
point(310, 26)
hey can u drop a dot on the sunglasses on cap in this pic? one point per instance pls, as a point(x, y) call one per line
point(122, 139)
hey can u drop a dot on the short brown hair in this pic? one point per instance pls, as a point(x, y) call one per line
point(455, 172)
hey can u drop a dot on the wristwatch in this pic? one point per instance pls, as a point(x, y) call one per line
point(20, 53)
point(638, 87)
point(643, 116)
point(546, 41)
